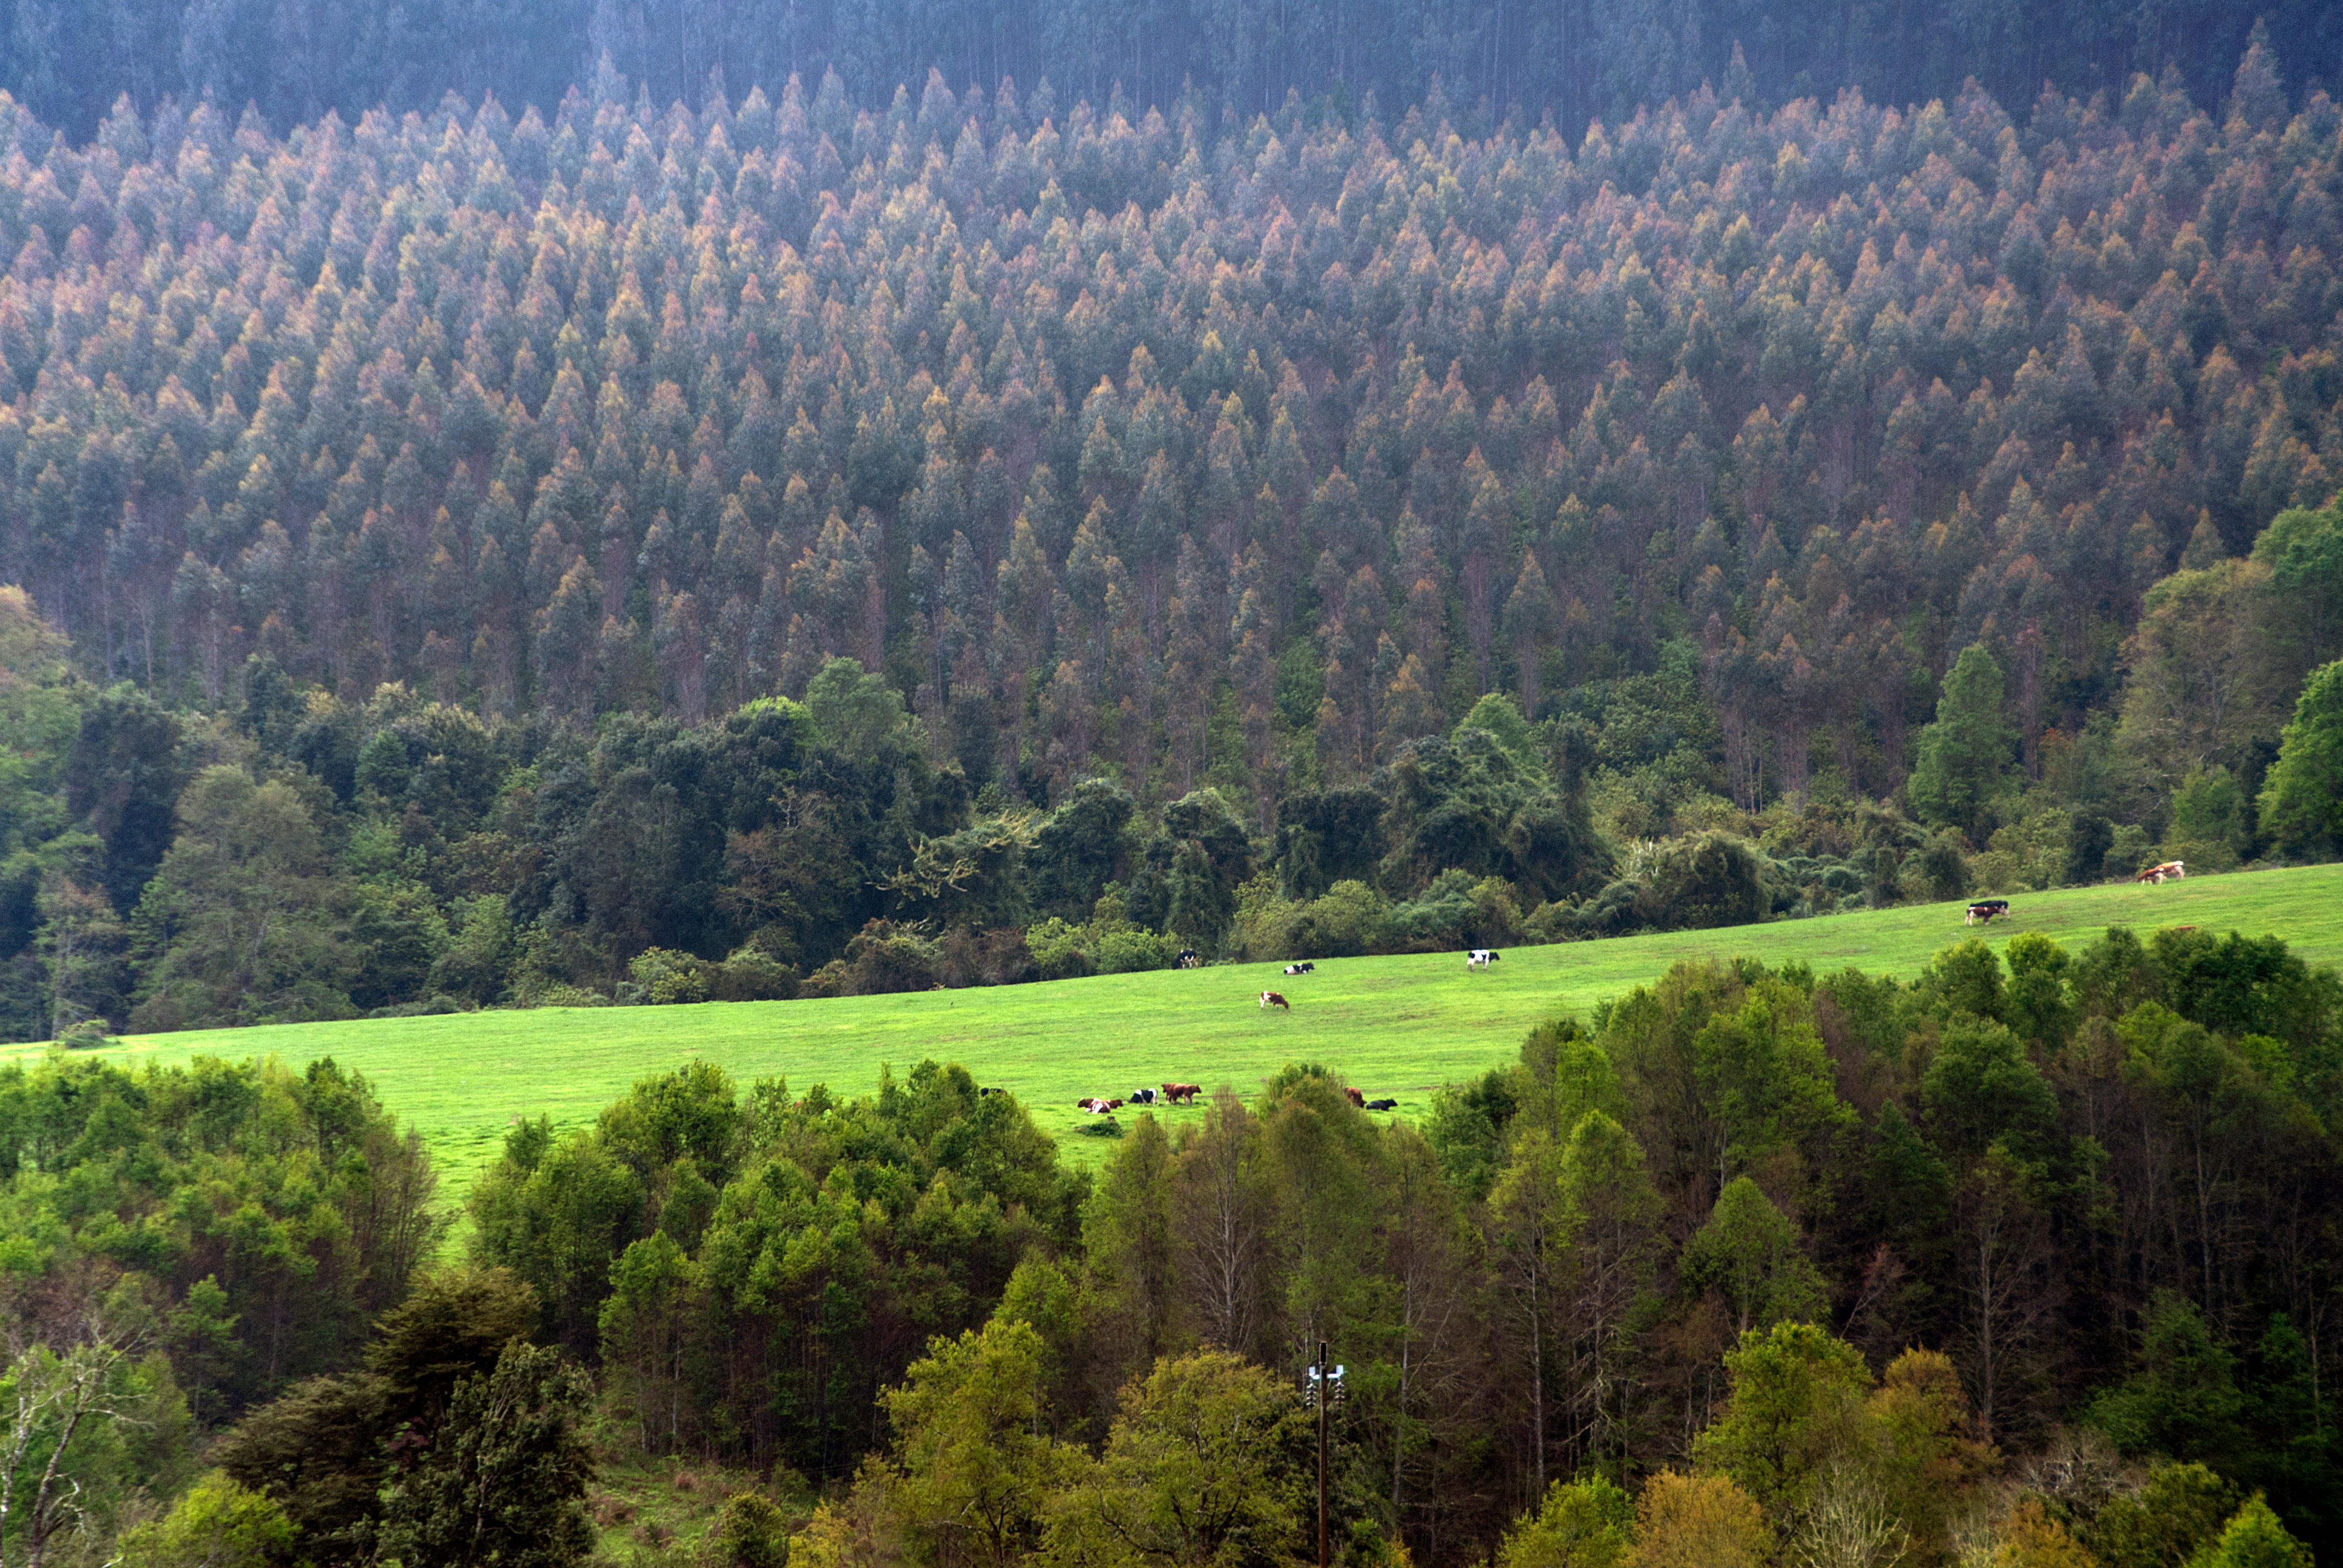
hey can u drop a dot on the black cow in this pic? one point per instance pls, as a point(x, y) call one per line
point(1382, 1105)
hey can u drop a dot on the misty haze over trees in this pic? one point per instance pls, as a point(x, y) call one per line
point(1568, 61)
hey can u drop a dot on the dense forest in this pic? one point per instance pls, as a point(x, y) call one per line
point(2028, 1262)
point(794, 545)
point(789, 548)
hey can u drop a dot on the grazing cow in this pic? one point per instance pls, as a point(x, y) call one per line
point(1269, 998)
point(1182, 1093)
point(1300, 968)
point(1187, 959)
point(1354, 1097)
point(981, 1093)
point(2172, 871)
point(1142, 1097)
point(1985, 910)
point(2184, 928)
point(1382, 1105)
point(1481, 959)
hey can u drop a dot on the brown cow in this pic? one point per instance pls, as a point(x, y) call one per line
point(1355, 1097)
point(1269, 998)
point(1182, 1093)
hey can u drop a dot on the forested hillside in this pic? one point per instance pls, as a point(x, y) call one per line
point(1308, 533)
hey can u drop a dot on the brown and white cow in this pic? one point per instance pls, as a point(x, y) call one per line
point(1986, 912)
point(2172, 871)
point(1269, 998)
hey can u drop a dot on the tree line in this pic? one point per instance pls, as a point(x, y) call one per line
point(2029, 1260)
point(1568, 62)
point(1947, 505)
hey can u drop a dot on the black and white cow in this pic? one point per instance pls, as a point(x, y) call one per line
point(1481, 959)
point(1187, 959)
point(1141, 1096)
point(1300, 968)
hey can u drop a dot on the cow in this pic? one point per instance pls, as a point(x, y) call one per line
point(1269, 998)
point(1985, 910)
point(1300, 968)
point(2174, 870)
point(1354, 1097)
point(1481, 959)
point(1187, 959)
point(1382, 1105)
point(1142, 1097)
point(1182, 1093)
point(1098, 1107)
point(984, 1093)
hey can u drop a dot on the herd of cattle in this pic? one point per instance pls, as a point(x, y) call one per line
point(1982, 912)
point(1170, 1094)
point(1185, 1094)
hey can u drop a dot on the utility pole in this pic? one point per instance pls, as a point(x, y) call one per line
point(1325, 1397)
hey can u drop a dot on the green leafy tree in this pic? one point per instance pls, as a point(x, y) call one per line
point(1965, 753)
point(217, 1524)
point(1749, 1252)
point(978, 1462)
point(1133, 1248)
point(504, 1482)
point(1583, 1523)
point(1204, 1466)
point(752, 1533)
point(1612, 1214)
point(1795, 1405)
point(1709, 880)
point(2173, 1516)
point(236, 923)
point(2253, 1538)
point(2302, 800)
point(2183, 1396)
point(855, 713)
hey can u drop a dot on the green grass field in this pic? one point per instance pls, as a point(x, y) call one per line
point(1392, 1025)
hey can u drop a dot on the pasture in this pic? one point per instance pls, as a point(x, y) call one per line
point(1396, 1027)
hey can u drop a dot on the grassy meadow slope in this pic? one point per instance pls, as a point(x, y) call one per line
point(1393, 1026)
